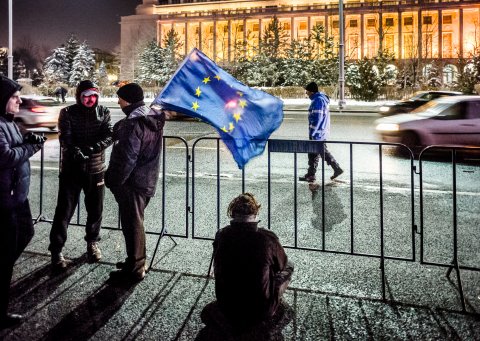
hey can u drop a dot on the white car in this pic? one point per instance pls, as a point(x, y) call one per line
point(452, 120)
point(38, 112)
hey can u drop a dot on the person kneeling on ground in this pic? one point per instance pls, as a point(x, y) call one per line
point(251, 270)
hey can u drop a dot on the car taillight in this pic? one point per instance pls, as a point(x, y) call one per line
point(38, 109)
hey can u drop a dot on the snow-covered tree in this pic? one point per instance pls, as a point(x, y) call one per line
point(102, 75)
point(55, 68)
point(150, 69)
point(71, 46)
point(83, 65)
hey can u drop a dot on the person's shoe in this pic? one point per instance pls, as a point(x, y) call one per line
point(93, 252)
point(126, 276)
point(10, 320)
point(308, 178)
point(59, 262)
point(337, 171)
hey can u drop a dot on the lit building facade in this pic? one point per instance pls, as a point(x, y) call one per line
point(427, 30)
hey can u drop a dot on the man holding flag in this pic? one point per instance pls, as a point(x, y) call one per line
point(244, 117)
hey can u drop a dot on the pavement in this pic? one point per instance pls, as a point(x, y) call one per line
point(333, 296)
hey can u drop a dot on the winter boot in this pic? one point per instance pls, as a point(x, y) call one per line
point(93, 252)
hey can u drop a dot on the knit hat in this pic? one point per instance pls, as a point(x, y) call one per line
point(131, 92)
point(312, 87)
point(7, 88)
point(84, 86)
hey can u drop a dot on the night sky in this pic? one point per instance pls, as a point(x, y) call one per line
point(50, 22)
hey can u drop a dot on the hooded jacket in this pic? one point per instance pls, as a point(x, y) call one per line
point(319, 117)
point(87, 129)
point(14, 153)
point(135, 158)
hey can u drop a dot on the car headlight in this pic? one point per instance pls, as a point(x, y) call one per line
point(387, 127)
point(384, 109)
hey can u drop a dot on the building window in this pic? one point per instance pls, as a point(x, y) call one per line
point(408, 48)
point(390, 43)
point(353, 46)
point(225, 29)
point(447, 45)
point(371, 22)
point(389, 22)
point(427, 45)
point(335, 24)
point(319, 23)
point(447, 19)
point(240, 28)
point(407, 21)
point(256, 27)
point(210, 29)
point(427, 20)
point(371, 46)
point(302, 26)
point(286, 26)
point(353, 23)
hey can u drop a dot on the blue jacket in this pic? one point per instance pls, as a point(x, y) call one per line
point(319, 117)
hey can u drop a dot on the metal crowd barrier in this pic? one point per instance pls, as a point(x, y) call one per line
point(295, 147)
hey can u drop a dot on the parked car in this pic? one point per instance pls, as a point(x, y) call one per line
point(420, 98)
point(38, 112)
point(452, 120)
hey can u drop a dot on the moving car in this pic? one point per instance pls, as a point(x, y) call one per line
point(452, 120)
point(420, 98)
point(38, 112)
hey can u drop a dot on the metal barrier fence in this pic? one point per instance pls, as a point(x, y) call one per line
point(454, 264)
point(293, 148)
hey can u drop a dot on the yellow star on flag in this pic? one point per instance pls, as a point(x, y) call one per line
point(198, 91)
point(224, 129)
point(231, 126)
point(237, 116)
point(206, 80)
point(242, 103)
point(217, 77)
point(195, 105)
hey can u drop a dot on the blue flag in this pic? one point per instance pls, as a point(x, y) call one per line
point(244, 117)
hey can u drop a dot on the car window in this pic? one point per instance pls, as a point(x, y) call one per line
point(473, 109)
point(452, 112)
point(431, 108)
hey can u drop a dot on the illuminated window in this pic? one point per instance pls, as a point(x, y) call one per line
point(210, 29)
point(447, 45)
point(225, 29)
point(390, 42)
point(302, 25)
point(286, 26)
point(371, 46)
point(353, 23)
point(353, 46)
point(389, 22)
point(427, 20)
point(407, 21)
point(335, 24)
point(408, 48)
point(447, 19)
point(240, 28)
point(256, 27)
point(371, 22)
point(427, 44)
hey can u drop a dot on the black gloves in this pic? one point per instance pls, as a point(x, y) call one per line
point(78, 155)
point(34, 138)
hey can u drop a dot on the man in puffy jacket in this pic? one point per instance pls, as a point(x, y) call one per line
point(85, 131)
point(16, 226)
point(132, 174)
point(318, 130)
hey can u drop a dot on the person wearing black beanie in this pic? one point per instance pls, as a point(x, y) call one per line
point(318, 130)
point(16, 226)
point(85, 131)
point(132, 174)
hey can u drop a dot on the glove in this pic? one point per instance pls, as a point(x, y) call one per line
point(79, 156)
point(34, 138)
point(87, 151)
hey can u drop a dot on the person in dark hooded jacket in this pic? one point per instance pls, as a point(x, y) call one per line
point(85, 131)
point(16, 225)
point(132, 174)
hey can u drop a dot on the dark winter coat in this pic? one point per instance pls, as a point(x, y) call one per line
point(87, 129)
point(14, 153)
point(135, 158)
point(247, 262)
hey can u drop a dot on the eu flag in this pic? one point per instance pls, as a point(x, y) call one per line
point(244, 117)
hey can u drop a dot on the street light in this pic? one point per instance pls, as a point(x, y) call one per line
point(10, 44)
point(341, 58)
